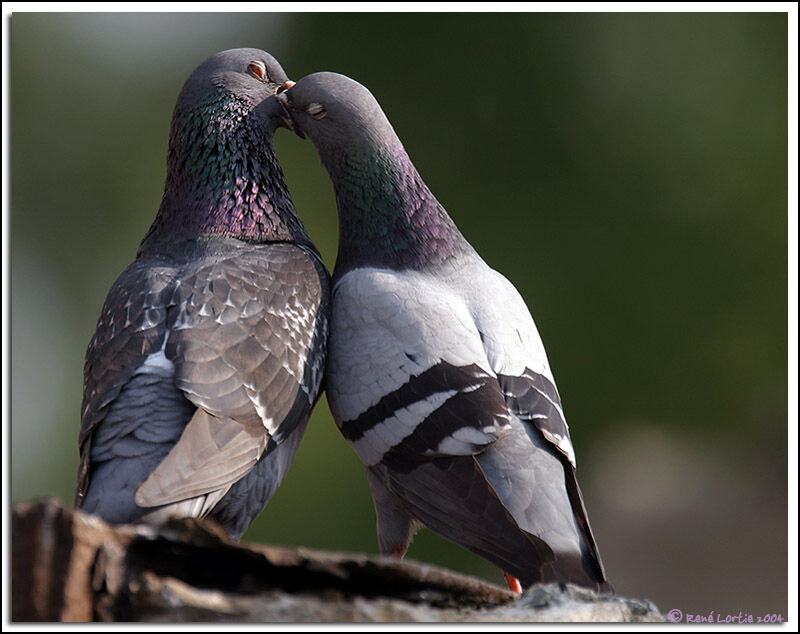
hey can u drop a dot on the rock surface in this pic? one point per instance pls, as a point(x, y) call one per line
point(70, 566)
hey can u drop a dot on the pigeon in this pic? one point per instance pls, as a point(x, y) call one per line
point(436, 374)
point(209, 351)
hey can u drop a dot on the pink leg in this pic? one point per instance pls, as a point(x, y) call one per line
point(513, 583)
point(399, 550)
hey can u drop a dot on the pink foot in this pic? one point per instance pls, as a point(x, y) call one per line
point(513, 583)
point(399, 551)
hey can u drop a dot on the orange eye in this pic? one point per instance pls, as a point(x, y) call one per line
point(257, 70)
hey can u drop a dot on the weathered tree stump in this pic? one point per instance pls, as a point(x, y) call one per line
point(70, 566)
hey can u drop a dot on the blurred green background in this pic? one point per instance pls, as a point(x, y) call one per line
point(627, 172)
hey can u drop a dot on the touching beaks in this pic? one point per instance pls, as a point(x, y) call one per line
point(286, 116)
point(285, 86)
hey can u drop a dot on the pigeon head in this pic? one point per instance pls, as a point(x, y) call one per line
point(388, 216)
point(223, 178)
point(336, 112)
point(228, 93)
point(247, 75)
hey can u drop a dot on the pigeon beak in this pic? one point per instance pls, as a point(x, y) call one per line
point(286, 117)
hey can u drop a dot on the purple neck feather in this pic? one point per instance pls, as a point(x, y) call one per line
point(388, 217)
point(223, 180)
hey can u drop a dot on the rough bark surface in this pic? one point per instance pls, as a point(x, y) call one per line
point(70, 566)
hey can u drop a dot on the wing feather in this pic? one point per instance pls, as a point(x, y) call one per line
point(237, 331)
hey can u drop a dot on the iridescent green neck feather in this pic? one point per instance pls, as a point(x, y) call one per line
point(223, 179)
point(388, 217)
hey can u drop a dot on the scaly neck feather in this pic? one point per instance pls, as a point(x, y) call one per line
point(223, 180)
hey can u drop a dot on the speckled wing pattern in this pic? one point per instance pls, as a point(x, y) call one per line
point(197, 370)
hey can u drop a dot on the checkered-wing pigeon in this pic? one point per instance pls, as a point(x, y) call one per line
point(210, 348)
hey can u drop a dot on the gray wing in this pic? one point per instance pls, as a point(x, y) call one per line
point(450, 435)
point(454, 499)
point(131, 328)
point(240, 336)
point(453, 414)
point(410, 388)
point(533, 469)
point(241, 346)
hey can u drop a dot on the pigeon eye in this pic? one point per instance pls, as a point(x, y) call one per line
point(316, 110)
point(257, 70)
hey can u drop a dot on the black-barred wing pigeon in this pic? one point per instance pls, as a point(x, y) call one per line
point(436, 373)
point(210, 349)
